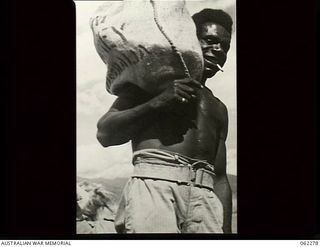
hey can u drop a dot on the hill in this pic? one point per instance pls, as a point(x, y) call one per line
point(116, 185)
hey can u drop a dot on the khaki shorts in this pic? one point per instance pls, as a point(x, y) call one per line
point(158, 206)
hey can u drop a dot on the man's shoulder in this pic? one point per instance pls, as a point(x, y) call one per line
point(216, 100)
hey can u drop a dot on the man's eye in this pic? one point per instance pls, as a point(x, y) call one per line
point(211, 41)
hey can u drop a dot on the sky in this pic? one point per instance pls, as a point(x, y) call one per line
point(93, 100)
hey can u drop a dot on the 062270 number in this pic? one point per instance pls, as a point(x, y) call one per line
point(308, 243)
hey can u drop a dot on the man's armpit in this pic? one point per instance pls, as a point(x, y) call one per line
point(123, 103)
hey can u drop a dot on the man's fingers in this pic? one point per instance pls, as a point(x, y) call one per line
point(184, 80)
point(196, 84)
point(183, 94)
point(189, 82)
point(185, 88)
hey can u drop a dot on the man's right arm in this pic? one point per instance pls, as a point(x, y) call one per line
point(127, 116)
point(123, 121)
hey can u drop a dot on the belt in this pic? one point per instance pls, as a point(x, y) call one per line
point(198, 173)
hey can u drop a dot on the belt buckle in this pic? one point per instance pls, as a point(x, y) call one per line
point(199, 177)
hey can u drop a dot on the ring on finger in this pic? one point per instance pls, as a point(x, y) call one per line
point(183, 100)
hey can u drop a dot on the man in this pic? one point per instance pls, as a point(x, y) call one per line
point(178, 139)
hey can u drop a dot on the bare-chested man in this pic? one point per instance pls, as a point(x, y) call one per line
point(178, 138)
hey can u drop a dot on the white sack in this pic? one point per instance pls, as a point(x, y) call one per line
point(130, 43)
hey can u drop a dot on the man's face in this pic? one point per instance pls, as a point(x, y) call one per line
point(215, 43)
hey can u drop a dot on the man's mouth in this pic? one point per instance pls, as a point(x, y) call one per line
point(211, 64)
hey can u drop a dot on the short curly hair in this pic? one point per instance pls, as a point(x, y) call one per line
point(213, 15)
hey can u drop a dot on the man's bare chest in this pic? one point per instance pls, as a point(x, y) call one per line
point(211, 112)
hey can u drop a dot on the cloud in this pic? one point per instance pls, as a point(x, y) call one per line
point(89, 65)
point(93, 99)
point(232, 161)
point(94, 161)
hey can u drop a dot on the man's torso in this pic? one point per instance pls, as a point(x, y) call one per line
point(197, 133)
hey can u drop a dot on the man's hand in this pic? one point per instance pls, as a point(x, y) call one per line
point(179, 92)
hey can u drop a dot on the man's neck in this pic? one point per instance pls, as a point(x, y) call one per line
point(203, 81)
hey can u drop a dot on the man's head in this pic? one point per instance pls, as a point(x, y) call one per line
point(214, 27)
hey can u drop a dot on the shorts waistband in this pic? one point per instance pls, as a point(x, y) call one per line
point(164, 165)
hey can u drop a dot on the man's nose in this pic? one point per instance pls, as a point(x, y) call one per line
point(216, 47)
point(211, 49)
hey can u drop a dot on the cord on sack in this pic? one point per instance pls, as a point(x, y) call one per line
point(173, 47)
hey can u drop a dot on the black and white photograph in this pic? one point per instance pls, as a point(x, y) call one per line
point(156, 116)
point(159, 120)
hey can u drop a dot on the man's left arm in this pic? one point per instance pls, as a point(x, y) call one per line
point(224, 193)
point(222, 185)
